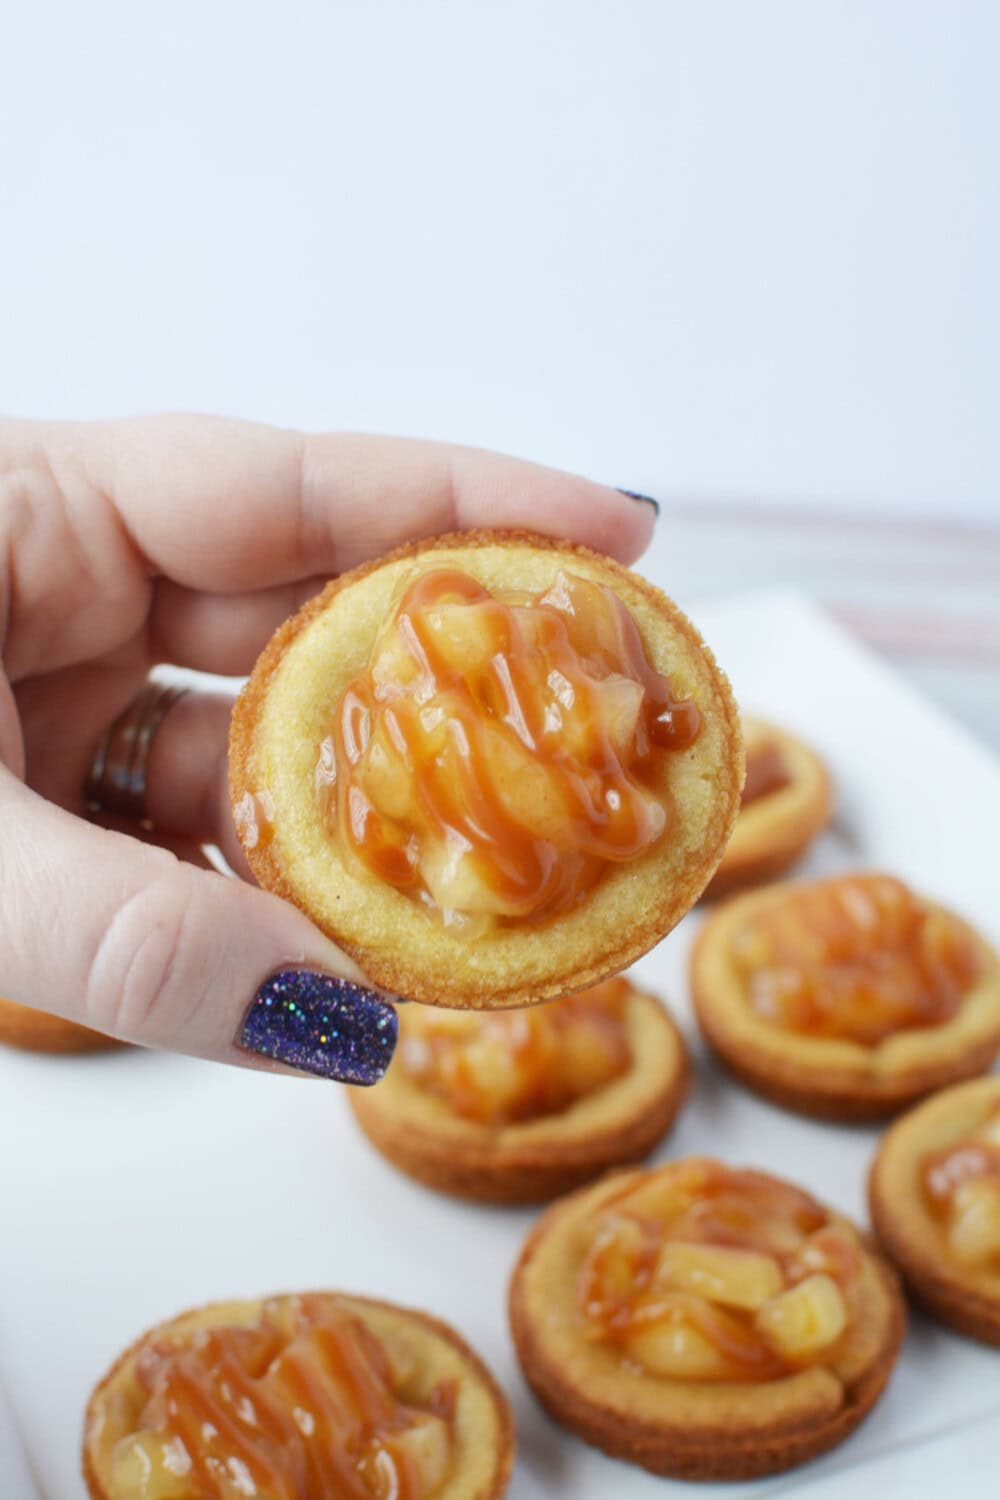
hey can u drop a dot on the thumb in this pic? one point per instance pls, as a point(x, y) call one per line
point(127, 939)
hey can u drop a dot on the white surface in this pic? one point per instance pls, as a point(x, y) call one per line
point(718, 247)
point(15, 1467)
point(136, 1185)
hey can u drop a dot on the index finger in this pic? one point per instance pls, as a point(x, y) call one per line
point(228, 506)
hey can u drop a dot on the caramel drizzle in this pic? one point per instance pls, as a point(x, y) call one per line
point(740, 1210)
point(856, 957)
point(536, 1040)
point(315, 1415)
point(459, 792)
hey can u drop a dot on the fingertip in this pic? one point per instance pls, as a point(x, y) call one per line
point(512, 494)
point(619, 523)
point(638, 523)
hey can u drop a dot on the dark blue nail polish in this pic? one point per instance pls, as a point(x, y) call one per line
point(646, 499)
point(322, 1025)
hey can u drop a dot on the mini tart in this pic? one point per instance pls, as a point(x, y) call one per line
point(786, 803)
point(38, 1031)
point(413, 1372)
point(834, 1076)
point(591, 1251)
point(946, 1246)
point(283, 718)
point(539, 1152)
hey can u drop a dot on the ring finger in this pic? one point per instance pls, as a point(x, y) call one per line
point(65, 716)
point(187, 781)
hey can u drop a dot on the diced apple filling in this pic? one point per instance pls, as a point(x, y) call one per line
point(857, 957)
point(497, 755)
point(736, 1278)
point(147, 1467)
point(423, 1450)
point(989, 1130)
point(675, 1349)
point(974, 1228)
point(620, 1258)
point(300, 1403)
point(804, 1320)
point(961, 1184)
point(502, 1067)
point(699, 1272)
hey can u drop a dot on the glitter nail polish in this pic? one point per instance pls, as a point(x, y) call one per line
point(646, 499)
point(322, 1025)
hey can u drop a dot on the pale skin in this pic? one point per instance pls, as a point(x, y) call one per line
point(189, 540)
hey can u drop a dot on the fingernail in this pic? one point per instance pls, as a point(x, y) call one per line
point(322, 1025)
point(646, 499)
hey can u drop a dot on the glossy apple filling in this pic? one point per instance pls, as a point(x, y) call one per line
point(961, 1186)
point(504, 1067)
point(766, 771)
point(858, 957)
point(502, 751)
point(700, 1272)
point(304, 1402)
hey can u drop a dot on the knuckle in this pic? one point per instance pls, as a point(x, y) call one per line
point(136, 982)
point(70, 578)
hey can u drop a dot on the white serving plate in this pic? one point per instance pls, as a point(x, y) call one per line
point(136, 1185)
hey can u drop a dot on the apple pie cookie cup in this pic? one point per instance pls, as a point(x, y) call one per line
point(786, 803)
point(494, 768)
point(721, 1360)
point(934, 1194)
point(299, 1395)
point(39, 1031)
point(835, 1061)
point(518, 1106)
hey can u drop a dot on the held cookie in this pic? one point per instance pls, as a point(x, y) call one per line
point(786, 804)
point(934, 1191)
point(517, 1106)
point(296, 1398)
point(704, 1322)
point(847, 998)
point(493, 767)
point(38, 1031)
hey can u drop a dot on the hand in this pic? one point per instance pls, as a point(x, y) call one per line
point(189, 540)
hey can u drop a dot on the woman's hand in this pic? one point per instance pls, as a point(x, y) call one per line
point(189, 540)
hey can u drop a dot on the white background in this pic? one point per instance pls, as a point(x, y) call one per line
point(713, 249)
point(136, 1184)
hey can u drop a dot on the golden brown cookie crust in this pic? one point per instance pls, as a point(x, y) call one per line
point(38, 1031)
point(394, 940)
point(532, 1162)
point(688, 1429)
point(772, 833)
point(966, 1298)
point(485, 1430)
point(829, 1078)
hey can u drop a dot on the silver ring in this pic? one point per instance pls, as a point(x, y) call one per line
point(116, 781)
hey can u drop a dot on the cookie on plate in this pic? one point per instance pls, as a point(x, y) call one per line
point(786, 804)
point(515, 1106)
point(702, 1321)
point(38, 1031)
point(297, 1397)
point(934, 1191)
point(847, 998)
